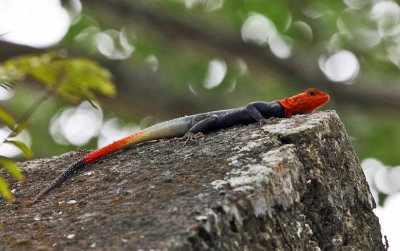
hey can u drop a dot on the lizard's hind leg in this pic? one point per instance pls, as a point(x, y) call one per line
point(196, 131)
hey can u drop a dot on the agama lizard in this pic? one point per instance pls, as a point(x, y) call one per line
point(189, 126)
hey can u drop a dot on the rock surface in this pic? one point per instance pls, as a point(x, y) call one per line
point(292, 184)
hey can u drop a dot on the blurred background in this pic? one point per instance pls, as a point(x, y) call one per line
point(173, 58)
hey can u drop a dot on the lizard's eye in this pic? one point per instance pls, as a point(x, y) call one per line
point(311, 93)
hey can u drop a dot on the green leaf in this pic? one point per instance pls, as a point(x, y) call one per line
point(7, 118)
point(4, 190)
point(93, 104)
point(20, 127)
point(75, 78)
point(12, 167)
point(23, 147)
point(86, 75)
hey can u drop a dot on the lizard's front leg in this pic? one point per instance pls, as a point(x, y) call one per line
point(256, 114)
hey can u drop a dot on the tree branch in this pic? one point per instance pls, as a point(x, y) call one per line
point(231, 45)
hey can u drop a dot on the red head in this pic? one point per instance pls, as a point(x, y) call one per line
point(305, 102)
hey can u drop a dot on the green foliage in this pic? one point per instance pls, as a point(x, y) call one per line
point(73, 79)
point(6, 118)
point(12, 168)
point(22, 146)
point(19, 128)
point(4, 190)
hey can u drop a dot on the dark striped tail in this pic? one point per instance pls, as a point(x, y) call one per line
point(60, 179)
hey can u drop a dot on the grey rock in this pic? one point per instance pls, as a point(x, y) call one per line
point(293, 184)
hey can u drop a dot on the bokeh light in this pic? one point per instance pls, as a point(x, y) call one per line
point(385, 179)
point(6, 93)
point(39, 23)
point(114, 44)
point(76, 126)
point(215, 74)
point(342, 66)
point(9, 150)
point(261, 30)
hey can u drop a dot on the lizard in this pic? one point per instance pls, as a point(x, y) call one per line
point(193, 126)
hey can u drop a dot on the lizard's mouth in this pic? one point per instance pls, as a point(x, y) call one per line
point(323, 100)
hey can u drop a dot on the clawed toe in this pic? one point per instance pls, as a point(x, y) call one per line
point(263, 121)
point(192, 137)
point(269, 121)
point(188, 137)
point(198, 135)
point(173, 140)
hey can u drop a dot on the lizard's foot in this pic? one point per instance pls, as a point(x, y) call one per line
point(189, 136)
point(273, 120)
point(269, 121)
point(263, 121)
point(173, 140)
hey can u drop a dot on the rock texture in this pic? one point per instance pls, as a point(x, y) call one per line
point(292, 184)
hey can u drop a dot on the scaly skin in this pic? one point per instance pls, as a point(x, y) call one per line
point(187, 127)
